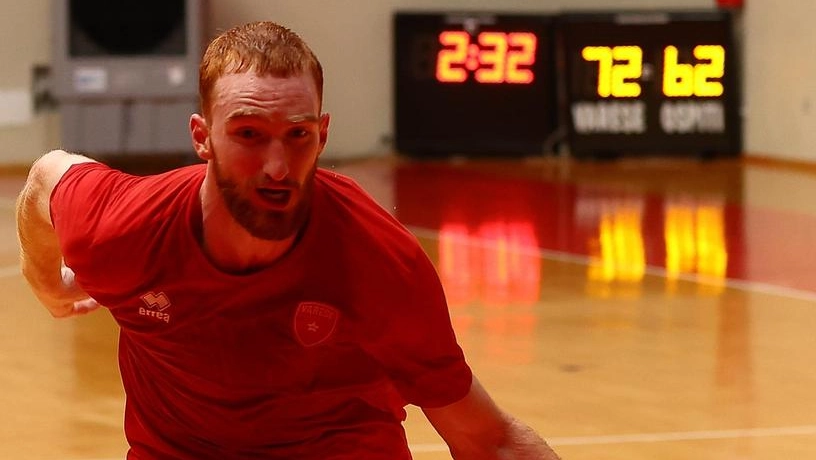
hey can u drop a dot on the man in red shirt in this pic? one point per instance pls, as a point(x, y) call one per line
point(267, 308)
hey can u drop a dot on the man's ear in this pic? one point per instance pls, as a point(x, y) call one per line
point(200, 134)
point(324, 131)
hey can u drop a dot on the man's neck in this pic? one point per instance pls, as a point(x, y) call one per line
point(229, 246)
point(238, 251)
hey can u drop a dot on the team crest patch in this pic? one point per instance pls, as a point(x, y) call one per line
point(315, 323)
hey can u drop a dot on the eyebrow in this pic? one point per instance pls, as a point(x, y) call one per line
point(250, 112)
point(303, 118)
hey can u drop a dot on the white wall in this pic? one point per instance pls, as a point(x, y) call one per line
point(353, 40)
point(780, 79)
point(24, 42)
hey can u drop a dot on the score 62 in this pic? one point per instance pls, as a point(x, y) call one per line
point(496, 57)
point(619, 66)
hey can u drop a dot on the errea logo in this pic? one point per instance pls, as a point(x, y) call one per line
point(156, 306)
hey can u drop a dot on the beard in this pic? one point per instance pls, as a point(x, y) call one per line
point(265, 224)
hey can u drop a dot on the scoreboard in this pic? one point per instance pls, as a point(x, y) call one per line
point(650, 82)
point(474, 83)
point(603, 83)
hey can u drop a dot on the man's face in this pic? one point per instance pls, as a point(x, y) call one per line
point(265, 135)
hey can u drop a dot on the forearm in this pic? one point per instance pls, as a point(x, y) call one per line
point(476, 429)
point(40, 256)
point(522, 443)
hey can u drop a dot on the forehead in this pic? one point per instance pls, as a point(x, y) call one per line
point(251, 93)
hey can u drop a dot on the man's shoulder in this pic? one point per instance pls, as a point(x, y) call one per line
point(160, 196)
point(342, 197)
point(184, 177)
point(352, 215)
point(101, 176)
point(116, 203)
point(336, 181)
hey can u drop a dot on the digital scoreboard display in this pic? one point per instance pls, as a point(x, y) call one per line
point(473, 83)
point(650, 82)
point(603, 83)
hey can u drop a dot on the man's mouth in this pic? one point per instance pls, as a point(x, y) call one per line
point(275, 197)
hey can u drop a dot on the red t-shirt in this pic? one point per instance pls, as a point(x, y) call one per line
point(313, 357)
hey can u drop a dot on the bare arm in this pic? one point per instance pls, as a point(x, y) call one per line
point(476, 429)
point(40, 255)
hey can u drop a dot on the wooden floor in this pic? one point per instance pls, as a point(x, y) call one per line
point(636, 309)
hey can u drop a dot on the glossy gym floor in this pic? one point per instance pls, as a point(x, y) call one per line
point(634, 309)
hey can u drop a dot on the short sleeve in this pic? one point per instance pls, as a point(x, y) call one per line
point(78, 202)
point(419, 350)
point(80, 211)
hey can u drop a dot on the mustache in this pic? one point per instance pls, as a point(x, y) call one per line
point(285, 183)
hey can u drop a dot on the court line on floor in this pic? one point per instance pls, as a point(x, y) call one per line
point(732, 283)
point(638, 438)
point(686, 435)
point(657, 437)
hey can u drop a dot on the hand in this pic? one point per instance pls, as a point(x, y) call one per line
point(84, 306)
point(77, 307)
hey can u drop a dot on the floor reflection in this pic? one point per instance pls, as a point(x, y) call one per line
point(492, 228)
point(496, 263)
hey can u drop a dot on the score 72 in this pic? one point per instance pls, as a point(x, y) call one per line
point(620, 66)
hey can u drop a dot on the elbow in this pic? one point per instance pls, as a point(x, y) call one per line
point(45, 172)
point(38, 174)
point(44, 164)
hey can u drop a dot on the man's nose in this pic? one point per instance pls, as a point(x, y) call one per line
point(275, 161)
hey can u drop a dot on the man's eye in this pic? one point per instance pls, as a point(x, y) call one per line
point(247, 133)
point(298, 132)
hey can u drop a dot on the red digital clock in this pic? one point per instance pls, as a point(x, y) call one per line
point(473, 83)
point(493, 57)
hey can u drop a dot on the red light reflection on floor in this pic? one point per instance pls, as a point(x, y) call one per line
point(496, 263)
point(456, 266)
point(621, 231)
point(492, 275)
